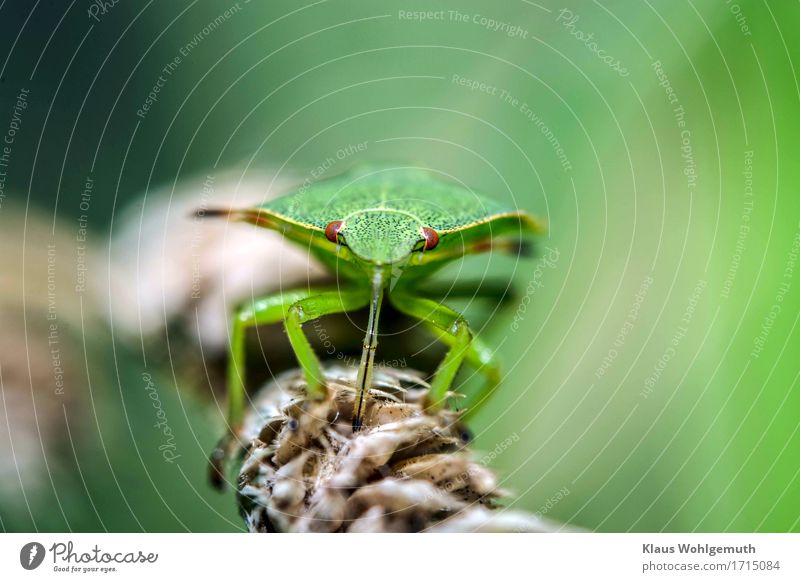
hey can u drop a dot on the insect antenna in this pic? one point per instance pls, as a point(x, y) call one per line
point(213, 212)
point(364, 378)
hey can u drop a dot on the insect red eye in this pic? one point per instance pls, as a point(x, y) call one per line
point(431, 238)
point(332, 230)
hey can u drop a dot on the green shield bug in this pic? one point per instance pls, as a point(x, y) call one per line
point(367, 227)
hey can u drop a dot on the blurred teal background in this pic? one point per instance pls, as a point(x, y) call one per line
point(652, 366)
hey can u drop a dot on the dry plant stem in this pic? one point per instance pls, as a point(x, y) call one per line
point(408, 469)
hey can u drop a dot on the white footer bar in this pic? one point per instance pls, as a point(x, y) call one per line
point(419, 557)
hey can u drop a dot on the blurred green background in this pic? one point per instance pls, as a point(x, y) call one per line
point(652, 366)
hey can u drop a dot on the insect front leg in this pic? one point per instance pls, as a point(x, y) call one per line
point(452, 325)
point(294, 308)
point(309, 309)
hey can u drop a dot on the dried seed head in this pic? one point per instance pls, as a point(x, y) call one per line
point(406, 470)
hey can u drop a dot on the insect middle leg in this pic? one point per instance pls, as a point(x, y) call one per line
point(453, 329)
point(483, 359)
point(294, 308)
